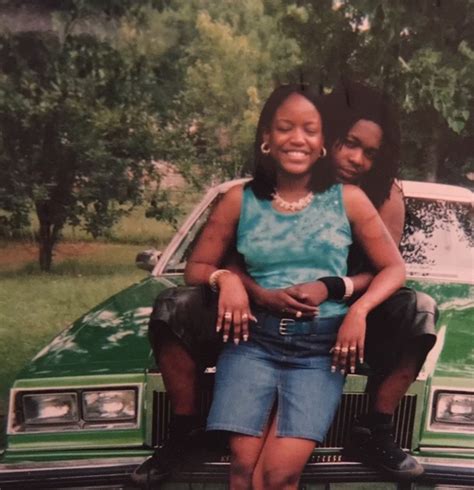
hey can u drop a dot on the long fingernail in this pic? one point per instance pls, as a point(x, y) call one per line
point(246, 337)
point(236, 341)
point(225, 338)
point(353, 369)
point(333, 369)
point(253, 318)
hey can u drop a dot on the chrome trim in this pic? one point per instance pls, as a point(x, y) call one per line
point(458, 450)
point(448, 462)
point(33, 467)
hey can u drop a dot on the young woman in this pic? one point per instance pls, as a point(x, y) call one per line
point(363, 139)
point(275, 389)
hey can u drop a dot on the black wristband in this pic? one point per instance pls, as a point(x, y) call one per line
point(335, 285)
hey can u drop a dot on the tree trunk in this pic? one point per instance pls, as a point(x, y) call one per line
point(431, 156)
point(46, 246)
point(47, 235)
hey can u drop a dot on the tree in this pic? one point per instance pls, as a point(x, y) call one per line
point(421, 53)
point(234, 55)
point(76, 130)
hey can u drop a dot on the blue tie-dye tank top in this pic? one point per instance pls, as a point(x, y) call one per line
point(286, 249)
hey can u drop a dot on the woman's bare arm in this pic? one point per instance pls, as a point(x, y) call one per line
point(214, 243)
point(379, 246)
point(216, 238)
point(392, 213)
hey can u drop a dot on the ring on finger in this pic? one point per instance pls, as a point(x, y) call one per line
point(245, 316)
point(352, 348)
point(337, 348)
point(227, 315)
point(344, 350)
point(298, 314)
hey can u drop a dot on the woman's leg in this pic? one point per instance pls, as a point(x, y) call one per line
point(245, 451)
point(281, 461)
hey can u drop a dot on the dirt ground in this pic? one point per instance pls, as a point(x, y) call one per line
point(15, 255)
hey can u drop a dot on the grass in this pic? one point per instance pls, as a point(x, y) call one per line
point(35, 306)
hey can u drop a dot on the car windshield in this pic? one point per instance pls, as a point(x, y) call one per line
point(177, 261)
point(438, 239)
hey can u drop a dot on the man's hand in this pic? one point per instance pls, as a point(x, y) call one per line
point(309, 293)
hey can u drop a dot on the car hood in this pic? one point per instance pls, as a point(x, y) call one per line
point(456, 307)
point(111, 338)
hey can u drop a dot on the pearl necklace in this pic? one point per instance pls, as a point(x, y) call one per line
point(293, 206)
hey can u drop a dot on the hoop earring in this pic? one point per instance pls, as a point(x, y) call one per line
point(265, 148)
point(324, 152)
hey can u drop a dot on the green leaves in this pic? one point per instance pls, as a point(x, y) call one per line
point(77, 134)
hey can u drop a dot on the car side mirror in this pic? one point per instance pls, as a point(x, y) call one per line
point(148, 259)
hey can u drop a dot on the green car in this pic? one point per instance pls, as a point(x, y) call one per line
point(91, 405)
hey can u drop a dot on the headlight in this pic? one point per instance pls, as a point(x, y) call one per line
point(454, 408)
point(110, 405)
point(50, 408)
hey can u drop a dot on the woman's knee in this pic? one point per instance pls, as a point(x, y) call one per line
point(244, 458)
point(281, 478)
point(242, 469)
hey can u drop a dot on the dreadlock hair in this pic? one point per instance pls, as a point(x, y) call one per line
point(350, 103)
point(264, 166)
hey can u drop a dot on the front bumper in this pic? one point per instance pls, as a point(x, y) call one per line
point(115, 474)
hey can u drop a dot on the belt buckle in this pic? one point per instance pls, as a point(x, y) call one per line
point(284, 322)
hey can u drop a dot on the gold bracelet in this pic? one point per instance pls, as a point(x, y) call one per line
point(215, 276)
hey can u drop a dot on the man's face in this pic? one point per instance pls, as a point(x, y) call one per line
point(355, 154)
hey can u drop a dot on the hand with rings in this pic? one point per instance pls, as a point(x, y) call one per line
point(233, 311)
point(350, 342)
point(341, 358)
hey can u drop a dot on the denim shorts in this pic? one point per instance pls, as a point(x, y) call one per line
point(289, 367)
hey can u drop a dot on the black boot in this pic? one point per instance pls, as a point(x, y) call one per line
point(184, 440)
point(374, 445)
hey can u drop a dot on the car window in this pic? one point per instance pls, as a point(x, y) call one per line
point(438, 238)
point(177, 261)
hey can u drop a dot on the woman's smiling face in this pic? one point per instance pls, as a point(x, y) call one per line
point(295, 137)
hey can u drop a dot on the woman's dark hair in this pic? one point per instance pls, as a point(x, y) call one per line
point(264, 168)
point(350, 103)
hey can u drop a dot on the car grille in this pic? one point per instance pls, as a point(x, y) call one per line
point(352, 405)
